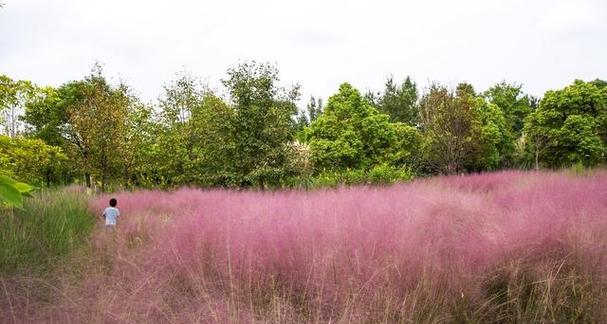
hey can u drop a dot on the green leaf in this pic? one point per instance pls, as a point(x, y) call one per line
point(7, 180)
point(10, 195)
point(23, 188)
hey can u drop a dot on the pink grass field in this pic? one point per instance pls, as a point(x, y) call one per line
point(500, 247)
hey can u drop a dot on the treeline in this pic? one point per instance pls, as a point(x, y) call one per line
point(98, 133)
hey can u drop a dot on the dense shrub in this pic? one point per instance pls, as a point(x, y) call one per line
point(32, 160)
point(382, 174)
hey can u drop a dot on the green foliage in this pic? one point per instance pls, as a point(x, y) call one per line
point(569, 127)
point(463, 132)
point(12, 192)
point(89, 120)
point(351, 134)
point(601, 84)
point(400, 101)
point(313, 109)
point(32, 159)
point(46, 115)
point(382, 174)
point(98, 123)
point(494, 146)
point(194, 134)
point(262, 123)
point(514, 104)
point(258, 136)
point(446, 120)
point(13, 98)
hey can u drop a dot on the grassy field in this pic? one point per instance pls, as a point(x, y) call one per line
point(53, 224)
point(508, 247)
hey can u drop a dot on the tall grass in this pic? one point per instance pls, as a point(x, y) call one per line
point(493, 248)
point(52, 224)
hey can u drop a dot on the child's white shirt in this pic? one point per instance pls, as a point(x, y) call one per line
point(111, 215)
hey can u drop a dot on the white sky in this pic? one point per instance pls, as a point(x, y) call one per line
point(543, 44)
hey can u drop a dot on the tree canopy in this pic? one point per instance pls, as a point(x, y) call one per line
point(100, 133)
point(569, 126)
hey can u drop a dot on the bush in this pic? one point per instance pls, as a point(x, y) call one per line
point(32, 159)
point(378, 175)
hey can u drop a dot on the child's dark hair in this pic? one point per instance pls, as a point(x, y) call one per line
point(113, 202)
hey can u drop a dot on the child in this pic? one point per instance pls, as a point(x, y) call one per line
point(111, 214)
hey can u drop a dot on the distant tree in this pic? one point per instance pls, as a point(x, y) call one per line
point(494, 145)
point(97, 117)
point(569, 126)
point(193, 142)
point(301, 122)
point(45, 115)
point(13, 97)
point(462, 131)
point(88, 119)
point(373, 97)
point(137, 143)
point(446, 122)
point(351, 134)
point(315, 108)
point(307, 116)
point(181, 100)
point(513, 102)
point(601, 84)
point(465, 89)
point(214, 122)
point(263, 123)
point(400, 101)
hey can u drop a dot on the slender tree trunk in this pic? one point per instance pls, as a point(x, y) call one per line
point(87, 179)
point(537, 159)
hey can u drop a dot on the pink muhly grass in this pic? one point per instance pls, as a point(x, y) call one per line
point(422, 251)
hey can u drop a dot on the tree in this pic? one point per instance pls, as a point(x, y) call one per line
point(351, 134)
point(494, 145)
point(307, 116)
point(601, 84)
point(262, 123)
point(513, 102)
point(462, 131)
point(138, 138)
point(91, 117)
point(400, 101)
point(182, 99)
point(196, 135)
point(45, 115)
point(315, 108)
point(98, 124)
point(13, 97)
point(569, 126)
point(446, 123)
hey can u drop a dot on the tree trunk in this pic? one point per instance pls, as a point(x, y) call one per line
point(87, 179)
point(103, 181)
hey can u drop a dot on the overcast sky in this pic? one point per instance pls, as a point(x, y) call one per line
point(319, 44)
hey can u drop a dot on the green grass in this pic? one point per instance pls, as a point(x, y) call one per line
point(53, 223)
